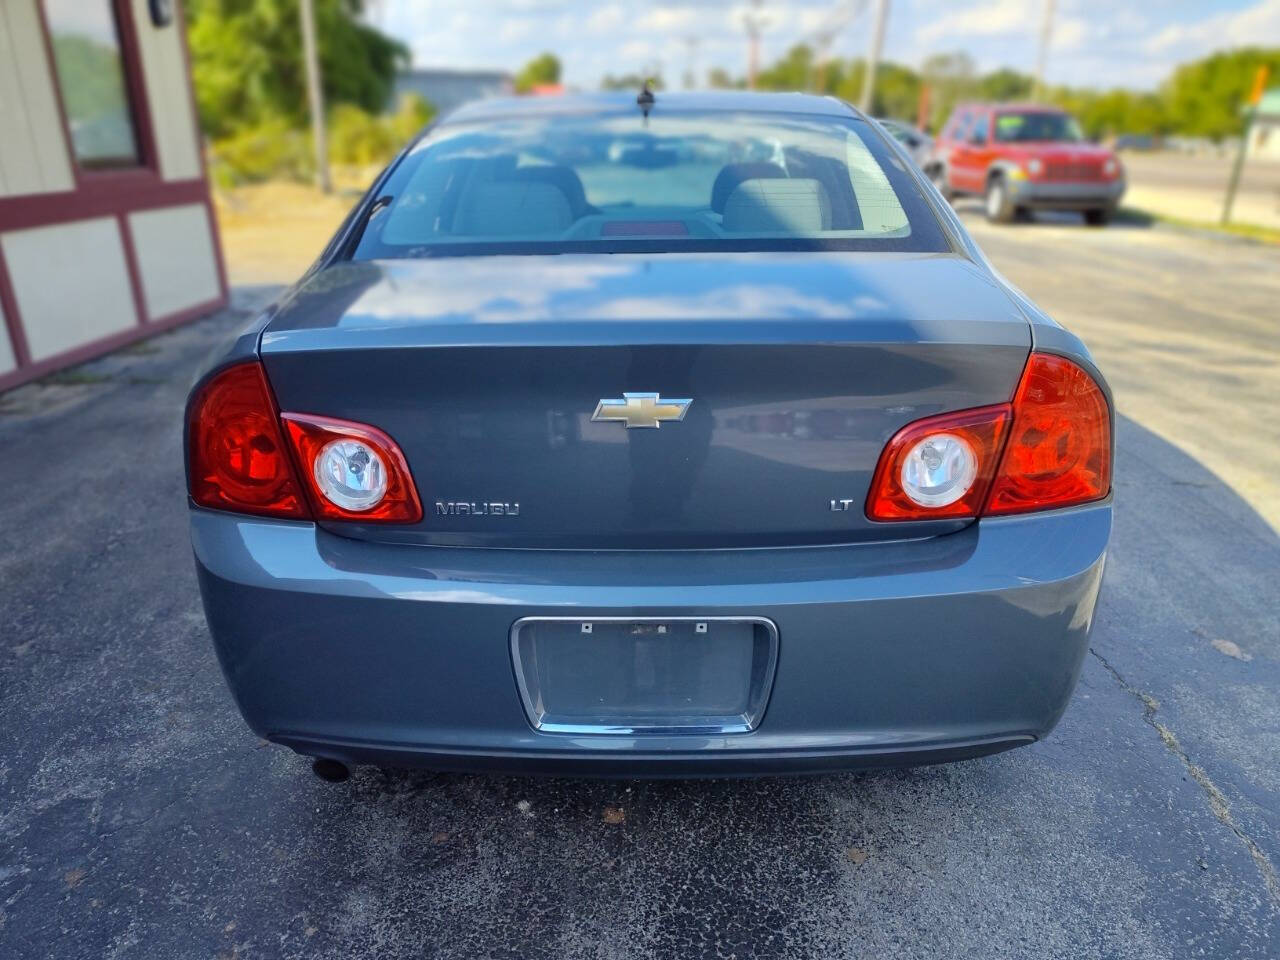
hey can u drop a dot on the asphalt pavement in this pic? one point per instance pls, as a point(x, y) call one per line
point(140, 818)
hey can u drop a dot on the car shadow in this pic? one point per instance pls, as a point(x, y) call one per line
point(971, 209)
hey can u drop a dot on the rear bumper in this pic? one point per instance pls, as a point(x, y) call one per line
point(895, 653)
point(1068, 196)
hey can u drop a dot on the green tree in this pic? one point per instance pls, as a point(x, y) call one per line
point(247, 63)
point(1204, 98)
point(951, 77)
point(793, 72)
point(718, 78)
point(543, 70)
point(1004, 85)
point(897, 92)
point(630, 81)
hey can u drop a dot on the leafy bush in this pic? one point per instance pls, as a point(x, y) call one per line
point(275, 151)
point(272, 150)
point(357, 138)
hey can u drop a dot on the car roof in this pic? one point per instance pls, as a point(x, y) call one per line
point(587, 104)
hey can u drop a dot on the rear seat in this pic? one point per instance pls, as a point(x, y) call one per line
point(778, 206)
point(495, 208)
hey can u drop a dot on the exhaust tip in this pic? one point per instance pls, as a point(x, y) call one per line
point(330, 771)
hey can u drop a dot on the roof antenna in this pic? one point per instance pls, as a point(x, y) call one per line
point(645, 100)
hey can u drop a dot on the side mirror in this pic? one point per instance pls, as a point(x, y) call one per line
point(978, 139)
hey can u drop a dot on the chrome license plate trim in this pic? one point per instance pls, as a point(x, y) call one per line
point(758, 695)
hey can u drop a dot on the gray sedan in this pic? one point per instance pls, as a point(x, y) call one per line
point(917, 143)
point(676, 437)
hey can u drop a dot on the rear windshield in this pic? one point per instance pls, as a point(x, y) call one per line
point(1037, 125)
point(680, 182)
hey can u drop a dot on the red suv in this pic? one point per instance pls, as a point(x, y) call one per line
point(1023, 157)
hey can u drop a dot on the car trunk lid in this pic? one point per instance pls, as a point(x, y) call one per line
point(797, 369)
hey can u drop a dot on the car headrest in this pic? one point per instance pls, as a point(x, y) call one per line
point(564, 178)
point(731, 176)
point(794, 205)
point(511, 208)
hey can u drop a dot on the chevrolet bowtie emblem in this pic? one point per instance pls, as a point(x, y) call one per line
point(641, 410)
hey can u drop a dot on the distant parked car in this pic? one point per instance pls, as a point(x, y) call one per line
point(1135, 141)
point(1020, 158)
point(918, 143)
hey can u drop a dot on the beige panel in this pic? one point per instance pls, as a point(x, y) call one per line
point(174, 248)
point(33, 147)
point(7, 360)
point(164, 70)
point(71, 283)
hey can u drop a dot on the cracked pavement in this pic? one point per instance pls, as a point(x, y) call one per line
point(139, 818)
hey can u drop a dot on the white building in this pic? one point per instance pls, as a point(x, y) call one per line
point(106, 229)
point(1264, 133)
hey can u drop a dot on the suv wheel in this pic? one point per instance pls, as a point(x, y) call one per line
point(999, 207)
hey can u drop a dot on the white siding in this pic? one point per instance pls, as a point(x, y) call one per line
point(7, 361)
point(164, 71)
point(174, 247)
point(71, 283)
point(33, 147)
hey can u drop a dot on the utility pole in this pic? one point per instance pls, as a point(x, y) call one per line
point(1042, 58)
point(873, 55)
point(315, 95)
point(822, 38)
point(754, 23)
point(691, 71)
point(1250, 111)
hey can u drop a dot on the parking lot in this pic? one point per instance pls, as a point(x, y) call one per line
point(139, 818)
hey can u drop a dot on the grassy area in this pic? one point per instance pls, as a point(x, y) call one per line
point(1250, 231)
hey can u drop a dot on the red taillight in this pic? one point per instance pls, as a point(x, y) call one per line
point(1059, 450)
point(1051, 447)
point(980, 430)
point(238, 459)
point(352, 471)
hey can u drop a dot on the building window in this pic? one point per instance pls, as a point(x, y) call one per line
point(91, 76)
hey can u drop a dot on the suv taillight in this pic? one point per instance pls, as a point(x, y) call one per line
point(1049, 448)
point(240, 459)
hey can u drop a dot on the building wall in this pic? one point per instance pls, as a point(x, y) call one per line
point(164, 70)
point(7, 359)
point(175, 258)
point(92, 259)
point(72, 278)
point(33, 151)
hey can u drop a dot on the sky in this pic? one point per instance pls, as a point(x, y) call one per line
point(1096, 43)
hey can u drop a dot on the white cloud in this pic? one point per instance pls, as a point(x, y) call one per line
point(1095, 42)
point(986, 19)
point(1259, 24)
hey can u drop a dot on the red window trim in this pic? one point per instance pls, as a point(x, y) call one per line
point(135, 90)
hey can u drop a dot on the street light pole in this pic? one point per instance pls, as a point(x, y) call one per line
point(873, 55)
point(754, 23)
point(315, 95)
point(1042, 58)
